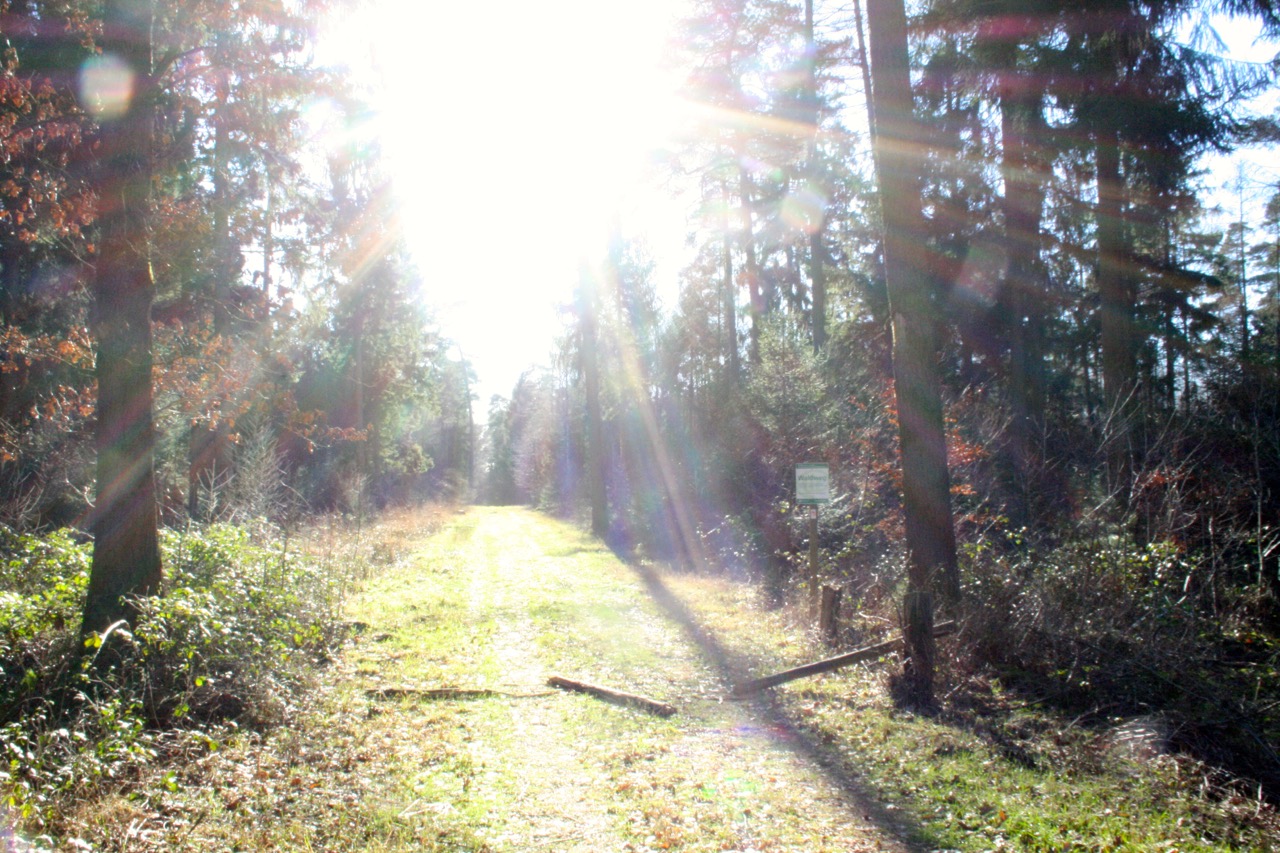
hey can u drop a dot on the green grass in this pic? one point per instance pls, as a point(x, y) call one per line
point(500, 599)
point(503, 599)
point(989, 772)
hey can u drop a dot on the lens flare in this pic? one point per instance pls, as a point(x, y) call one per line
point(106, 86)
point(804, 208)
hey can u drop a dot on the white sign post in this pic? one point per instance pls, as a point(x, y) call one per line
point(813, 488)
point(813, 484)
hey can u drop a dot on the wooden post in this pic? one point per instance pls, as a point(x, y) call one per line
point(746, 688)
point(829, 614)
point(917, 635)
point(813, 559)
point(617, 697)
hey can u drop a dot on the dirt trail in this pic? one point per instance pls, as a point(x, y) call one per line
point(562, 815)
point(567, 772)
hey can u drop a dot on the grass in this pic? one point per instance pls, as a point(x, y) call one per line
point(990, 771)
point(497, 600)
point(500, 600)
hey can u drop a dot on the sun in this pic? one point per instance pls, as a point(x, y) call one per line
point(515, 133)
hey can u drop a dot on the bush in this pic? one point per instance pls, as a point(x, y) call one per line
point(234, 635)
point(1105, 628)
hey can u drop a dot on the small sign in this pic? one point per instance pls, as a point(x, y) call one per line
point(813, 483)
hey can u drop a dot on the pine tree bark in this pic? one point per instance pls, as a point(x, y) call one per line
point(751, 266)
point(896, 142)
point(209, 442)
point(1117, 307)
point(818, 277)
point(729, 295)
point(126, 551)
point(1024, 196)
point(817, 251)
point(595, 427)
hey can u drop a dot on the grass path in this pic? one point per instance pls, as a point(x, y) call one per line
point(494, 601)
point(505, 598)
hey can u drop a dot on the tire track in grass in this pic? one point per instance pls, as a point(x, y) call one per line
point(584, 775)
point(495, 602)
point(553, 804)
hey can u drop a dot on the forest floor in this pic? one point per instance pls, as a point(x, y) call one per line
point(435, 730)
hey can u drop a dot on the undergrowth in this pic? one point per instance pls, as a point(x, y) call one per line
point(1103, 628)
point(245, 616)
point(1090, 702)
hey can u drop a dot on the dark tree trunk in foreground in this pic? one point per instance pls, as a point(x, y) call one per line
point(126, 549)
point(926, 484)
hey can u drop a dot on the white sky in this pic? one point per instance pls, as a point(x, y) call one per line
point(513, 130)
point(1259, 168)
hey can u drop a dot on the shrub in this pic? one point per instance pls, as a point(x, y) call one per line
point(234, 635)
point(1106, 628)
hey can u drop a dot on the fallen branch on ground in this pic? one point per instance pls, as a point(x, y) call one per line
point(755, 686)
point(644, 703)
point(447, 693)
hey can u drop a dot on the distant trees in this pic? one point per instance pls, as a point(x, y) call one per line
point(45, 205)
point(165, 76)
point(1000, 312)
point(765, 151)
point(1046, 321)
point(149, 153)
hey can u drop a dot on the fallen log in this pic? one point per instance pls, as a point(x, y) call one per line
point(446, 693)
point(617, 697)
point(746, 688)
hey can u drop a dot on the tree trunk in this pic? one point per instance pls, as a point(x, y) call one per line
point(591, 387)
point(1024, 195)
point(358, 404)
point(931, 559)
point(209, 443)
point(829, 615)
point(864, 64)
point(126, 550)
point(471, 431)
point(751, 268)
point(730, 300)
point(268, 234)
point(1117, 306)
point(817, 252)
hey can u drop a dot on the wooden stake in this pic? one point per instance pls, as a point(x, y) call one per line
point(829, 614)
point(917, 635)
point(837, 662)
point(617, 697)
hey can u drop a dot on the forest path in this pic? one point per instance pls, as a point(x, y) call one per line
point(435, 730)
point(501, 599)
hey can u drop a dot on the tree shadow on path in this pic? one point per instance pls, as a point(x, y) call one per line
point(881, 814)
